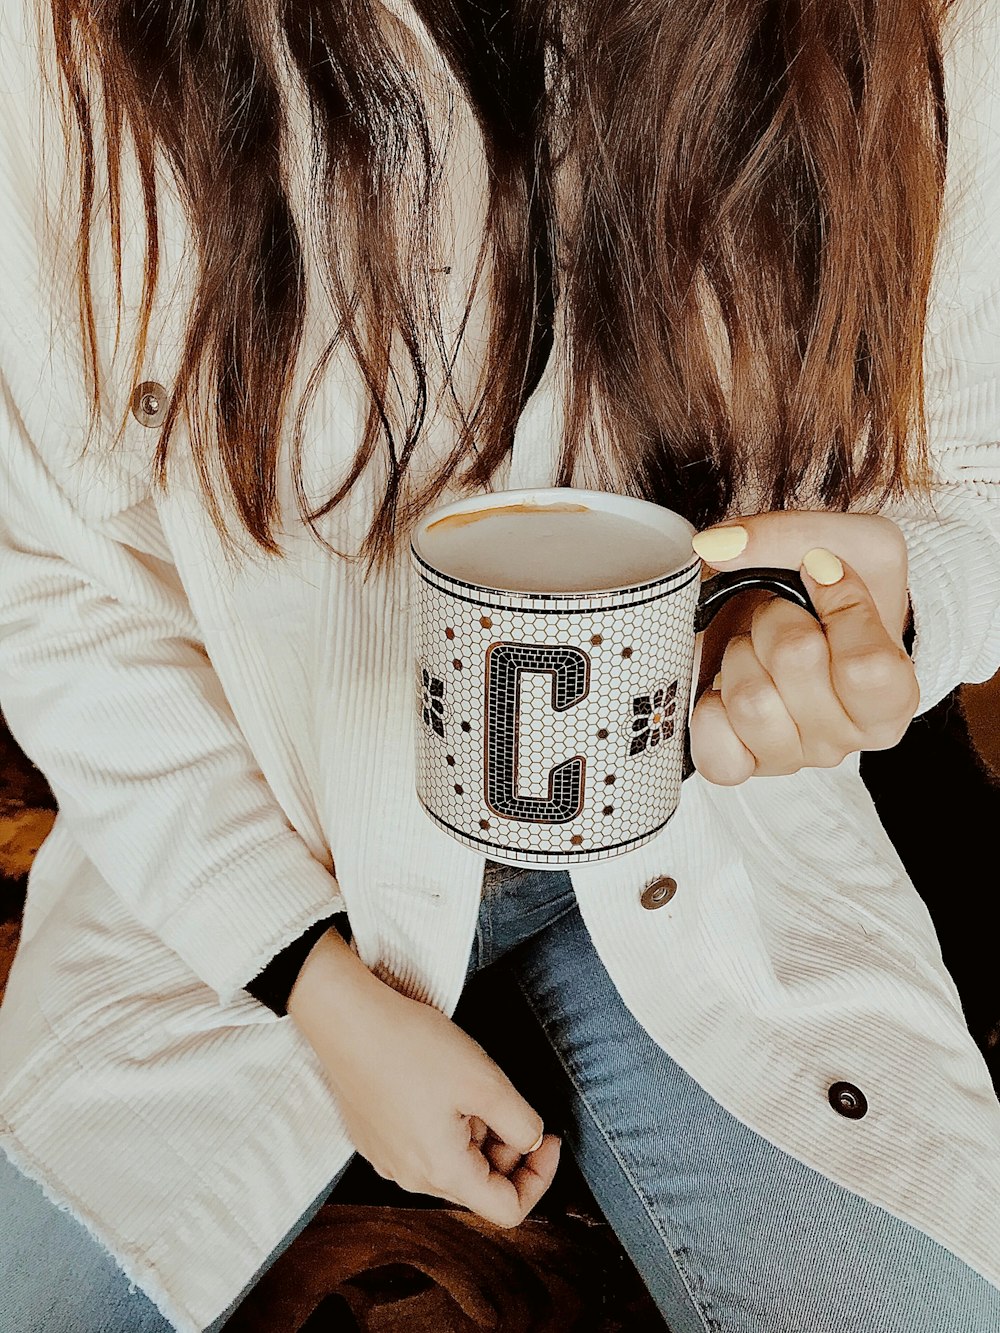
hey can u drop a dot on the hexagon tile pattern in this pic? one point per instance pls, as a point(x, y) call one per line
point(549, 727)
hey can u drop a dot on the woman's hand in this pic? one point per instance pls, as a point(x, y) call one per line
point(788, 692)
point(423, 1102)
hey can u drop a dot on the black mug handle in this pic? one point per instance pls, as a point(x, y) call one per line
point(718, 590)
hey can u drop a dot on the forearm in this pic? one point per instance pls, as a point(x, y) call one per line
point(331, 974)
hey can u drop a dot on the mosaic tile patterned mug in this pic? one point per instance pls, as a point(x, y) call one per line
point(556, 643)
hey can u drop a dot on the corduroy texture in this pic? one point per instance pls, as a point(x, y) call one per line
point(275, 983)
point(219, 733)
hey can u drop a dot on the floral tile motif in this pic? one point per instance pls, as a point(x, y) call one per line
point(653, 717)
point(432, 706)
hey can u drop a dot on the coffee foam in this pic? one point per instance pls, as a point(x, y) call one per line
point(562, 547)
point(477, 515)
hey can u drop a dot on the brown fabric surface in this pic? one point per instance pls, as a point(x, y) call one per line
point(399, 1270)
point(26, 814)
point(8, 943)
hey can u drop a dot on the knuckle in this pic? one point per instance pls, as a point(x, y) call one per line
point(730, 776)
point(723, 773)
point(718, 765)
point(869, 669)
point(751, 701)
point(886, 735)
point(778, 768)
point(718, 754)
point(828, 755)
point(510, 1215)
point(799, 651)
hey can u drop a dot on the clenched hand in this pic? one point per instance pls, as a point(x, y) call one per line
point(423, 1102)
point(791, 692)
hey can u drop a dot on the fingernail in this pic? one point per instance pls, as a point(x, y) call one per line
point(537, 1143)
point(717, 682)
point(720, 543)
point(823, 566)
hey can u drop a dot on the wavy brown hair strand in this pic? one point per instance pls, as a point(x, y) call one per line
point(780, 162)
point(736, 204)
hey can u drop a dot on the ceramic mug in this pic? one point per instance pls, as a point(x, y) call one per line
point(551, 727)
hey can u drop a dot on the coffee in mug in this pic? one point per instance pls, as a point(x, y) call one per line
point(561, 546)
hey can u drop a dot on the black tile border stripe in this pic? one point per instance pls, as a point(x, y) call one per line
point(553, 596)
point(595, 607)
point(567, 858)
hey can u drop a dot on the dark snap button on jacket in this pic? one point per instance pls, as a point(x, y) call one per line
point(149, 403)
point(848, 1100)
point(658, 891)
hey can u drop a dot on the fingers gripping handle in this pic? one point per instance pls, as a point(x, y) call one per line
point(721, 588)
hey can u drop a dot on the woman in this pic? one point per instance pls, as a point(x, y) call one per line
point(306, 269)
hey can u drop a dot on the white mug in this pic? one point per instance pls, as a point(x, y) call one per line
point(551, 727)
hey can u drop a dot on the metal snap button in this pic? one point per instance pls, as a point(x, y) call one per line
point(149, 403)
point(847, 1100)
point(658, 892)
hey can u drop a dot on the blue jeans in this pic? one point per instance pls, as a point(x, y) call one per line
point(730, 1234)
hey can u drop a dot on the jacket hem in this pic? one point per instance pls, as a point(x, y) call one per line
point(143, 1279)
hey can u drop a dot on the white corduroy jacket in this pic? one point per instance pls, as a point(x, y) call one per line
point(221, 733)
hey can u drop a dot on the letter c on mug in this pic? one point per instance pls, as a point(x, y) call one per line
point(506, 665)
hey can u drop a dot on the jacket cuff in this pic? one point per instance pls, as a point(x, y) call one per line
point(273, 985)
point(228, 931)
point(954, 586)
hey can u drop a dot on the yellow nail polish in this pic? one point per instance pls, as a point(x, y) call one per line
point(715, 544)
point(717, 682)
point(823, 566)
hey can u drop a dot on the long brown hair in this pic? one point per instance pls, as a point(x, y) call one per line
point(770, 168)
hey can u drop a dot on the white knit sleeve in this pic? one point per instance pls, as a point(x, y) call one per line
point(953, 539)
point(954, 543)
point(106, 685)
point(954, 575)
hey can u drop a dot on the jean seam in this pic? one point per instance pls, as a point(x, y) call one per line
point(563, 911)
point(708, 1321)
point(484, 939)
point(551, 921)
point(484, 933)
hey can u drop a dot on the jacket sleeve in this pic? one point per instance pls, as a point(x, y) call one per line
point(107, 687)
point(954, 574)
point(953, 536)
point(954, 541)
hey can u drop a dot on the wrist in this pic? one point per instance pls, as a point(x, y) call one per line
point(330, 967)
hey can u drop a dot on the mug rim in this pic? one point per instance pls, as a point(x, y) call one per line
point(598, 500)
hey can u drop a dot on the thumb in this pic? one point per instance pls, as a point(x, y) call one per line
point(783, 537)
point(509, 1116)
